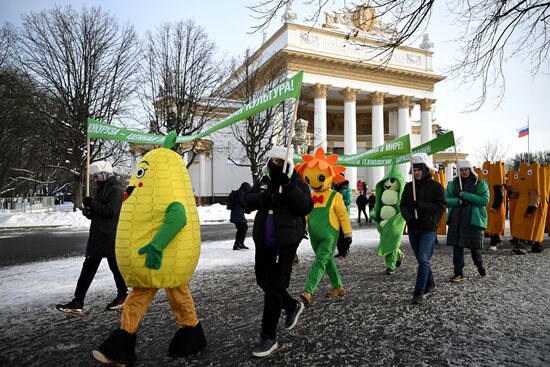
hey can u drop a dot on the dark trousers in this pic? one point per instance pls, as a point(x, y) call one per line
point(242, 229)
point(362, 210)
point(458, 259)
point(273, 276)
point(89, 269)
point(341, 246)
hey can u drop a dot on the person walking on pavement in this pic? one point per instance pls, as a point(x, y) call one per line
point(467, 198)
point(343, 188)
point(282, 200)
point(362, 202)
point(372, 203)
point(423, 216)
point(103, 210)
point(237, 216)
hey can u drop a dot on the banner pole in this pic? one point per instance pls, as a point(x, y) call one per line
point(457, 170)
point(412, 174)
point(88, 167)
point(290, 135)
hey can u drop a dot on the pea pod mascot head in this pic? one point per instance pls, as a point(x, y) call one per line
point(388, 218)
point(158, 234)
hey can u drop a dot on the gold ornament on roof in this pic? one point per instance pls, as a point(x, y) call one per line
point(364, 18)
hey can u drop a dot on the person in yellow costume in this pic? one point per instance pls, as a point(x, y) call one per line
point(328, 215)
point(157, 246)
point(531, 207)
point(495, 176)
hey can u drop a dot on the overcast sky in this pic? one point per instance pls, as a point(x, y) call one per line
point(229, 23)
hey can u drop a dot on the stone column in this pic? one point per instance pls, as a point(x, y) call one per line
point(202, 177)
point(350, 131)
point(449, 171)
point(377, 100)
point(320, 116)
point(426, 119)
point(403, 125)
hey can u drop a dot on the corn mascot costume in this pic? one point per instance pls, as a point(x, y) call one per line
point(157, 246)
point(387, 216)
point(328, 215)
point(531, 206)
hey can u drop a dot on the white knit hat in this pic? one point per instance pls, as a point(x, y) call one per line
point(100, 166)
point(280, 152)
point(466, 164)
point(419, 158)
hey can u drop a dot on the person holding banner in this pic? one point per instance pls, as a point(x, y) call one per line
point(282, 201)
point(103, 211)
point(422, 210)
point(467, 197)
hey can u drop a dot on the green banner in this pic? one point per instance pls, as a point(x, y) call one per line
point(397, 149)
point(290, 88)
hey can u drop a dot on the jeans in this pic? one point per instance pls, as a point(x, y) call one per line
point(89, 268)
point(458, 259)
point(242, 228)
point(423, 243)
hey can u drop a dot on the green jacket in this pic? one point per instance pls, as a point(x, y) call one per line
point(479, 201)
point(348, 198)
point(392, 232)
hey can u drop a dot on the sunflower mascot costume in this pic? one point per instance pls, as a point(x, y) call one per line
point(157, 246)
point(324, 222)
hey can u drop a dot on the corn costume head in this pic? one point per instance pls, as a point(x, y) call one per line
point(320, 171)
point(158, 234)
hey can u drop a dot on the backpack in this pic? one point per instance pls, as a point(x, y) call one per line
point(231, 200)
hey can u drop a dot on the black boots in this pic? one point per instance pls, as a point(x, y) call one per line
point(118, 348)
point(187, 341)
point(239, 246)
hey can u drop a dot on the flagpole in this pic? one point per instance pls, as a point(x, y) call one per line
point(412, 171)
point(457, 169)
point(88, 167)
point(290, 134)
point(528, 140)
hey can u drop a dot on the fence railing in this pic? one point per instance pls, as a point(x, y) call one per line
point(29, 204)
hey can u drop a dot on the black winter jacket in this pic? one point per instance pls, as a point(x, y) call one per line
point(105, 209)
point(289, 209)
point(430, 197)
point(239, 207)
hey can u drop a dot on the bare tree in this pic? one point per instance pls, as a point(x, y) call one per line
point(493, 32)
point(257, 133)
point(541, 157)
point(180, 76)
point(492, 151)
point(84, 64)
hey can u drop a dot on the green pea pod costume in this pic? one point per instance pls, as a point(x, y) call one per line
point(392, 232)
point(323, 238)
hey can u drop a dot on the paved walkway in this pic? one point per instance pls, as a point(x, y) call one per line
point(500, 320)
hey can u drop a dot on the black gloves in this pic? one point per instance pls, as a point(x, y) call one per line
point(530, 209)
point(460, 193)
point(279, 179)
point(414, 205)
point(413, 223)
point(347, 241)
point(276, 198)
point(462, 202)
point(86, 201)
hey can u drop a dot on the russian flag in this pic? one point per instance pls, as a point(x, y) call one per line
point(524, 131)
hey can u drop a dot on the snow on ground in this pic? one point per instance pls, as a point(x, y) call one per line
point(64, 216)
point(25, 283)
